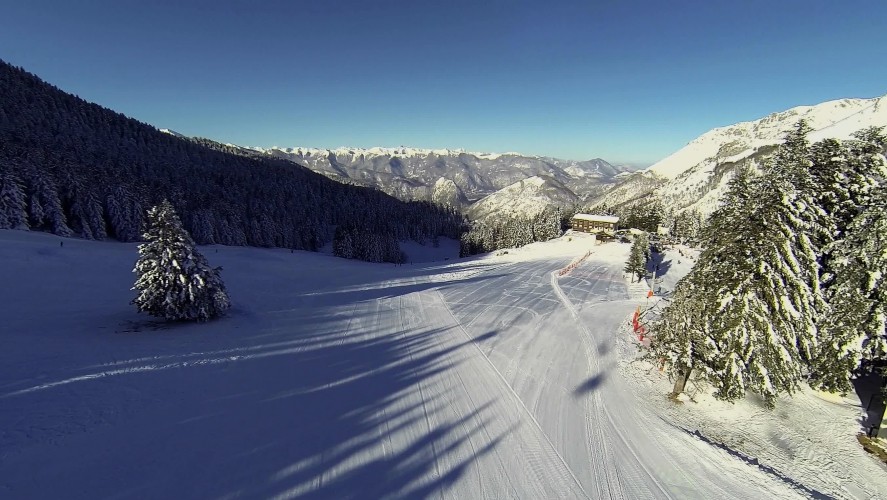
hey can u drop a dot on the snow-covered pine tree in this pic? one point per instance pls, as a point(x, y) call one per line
point(845, 174)
point(684, 335)
point(124, 214)
point(855, 329)
point(13, 213)
point(85, 212)
point(654, 215)
point(646, 216)
point(854, 332)
point(343, 242)
point(523, 232)
point(637, 257)
point(867, 168)
point(645, 245)
point(687, 226)
point(829, 169)
point(766, 277)
point(202, 227)
point(174, 281)
point(44, 206)
point(756, 283)
point(547, 224)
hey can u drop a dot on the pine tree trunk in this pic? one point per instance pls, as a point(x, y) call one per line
point(680, 382)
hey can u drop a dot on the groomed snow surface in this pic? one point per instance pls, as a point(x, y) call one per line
point(472, 378)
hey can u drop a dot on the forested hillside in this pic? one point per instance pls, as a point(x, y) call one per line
point(75, 168)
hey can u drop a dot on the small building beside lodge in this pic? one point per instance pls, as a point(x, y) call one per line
point(604, 225)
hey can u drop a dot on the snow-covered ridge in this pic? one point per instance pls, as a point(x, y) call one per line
point(401, 152)
point(696, 176)
point(525, 198)
point(838, 118)
point(173, 133)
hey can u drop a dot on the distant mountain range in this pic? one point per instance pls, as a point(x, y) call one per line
point(696, 175)
point(484, 185)
point(460, 178)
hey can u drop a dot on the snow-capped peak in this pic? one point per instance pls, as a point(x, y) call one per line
point(400, 152)
point(838, 118)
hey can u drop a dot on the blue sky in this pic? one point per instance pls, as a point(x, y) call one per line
point(627, 81)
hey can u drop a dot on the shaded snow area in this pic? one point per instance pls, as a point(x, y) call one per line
point(446, 249)
point(330, 378)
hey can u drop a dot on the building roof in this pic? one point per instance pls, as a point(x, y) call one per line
point(612, 219)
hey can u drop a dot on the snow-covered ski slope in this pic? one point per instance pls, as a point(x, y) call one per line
point(480, 378)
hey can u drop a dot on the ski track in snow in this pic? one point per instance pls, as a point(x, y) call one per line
point(600, 409)
point(483, 378)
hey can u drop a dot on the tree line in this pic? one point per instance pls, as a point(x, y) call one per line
point(512, 232)
point(650, 214)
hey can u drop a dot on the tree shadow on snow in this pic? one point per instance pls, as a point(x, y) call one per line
point(486, 336)
point(603, 347)
point(868, 388)
point(659, 264)
point(590, 385)
point(381, 290)
point(313, 412)
point(752, 461)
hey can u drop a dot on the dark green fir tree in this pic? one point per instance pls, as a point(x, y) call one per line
point(636, 265)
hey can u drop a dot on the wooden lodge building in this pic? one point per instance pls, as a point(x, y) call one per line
point(604, 225)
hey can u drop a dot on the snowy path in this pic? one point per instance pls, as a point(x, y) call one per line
point(339, 379)
point(554, 341)
point(656, 458)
